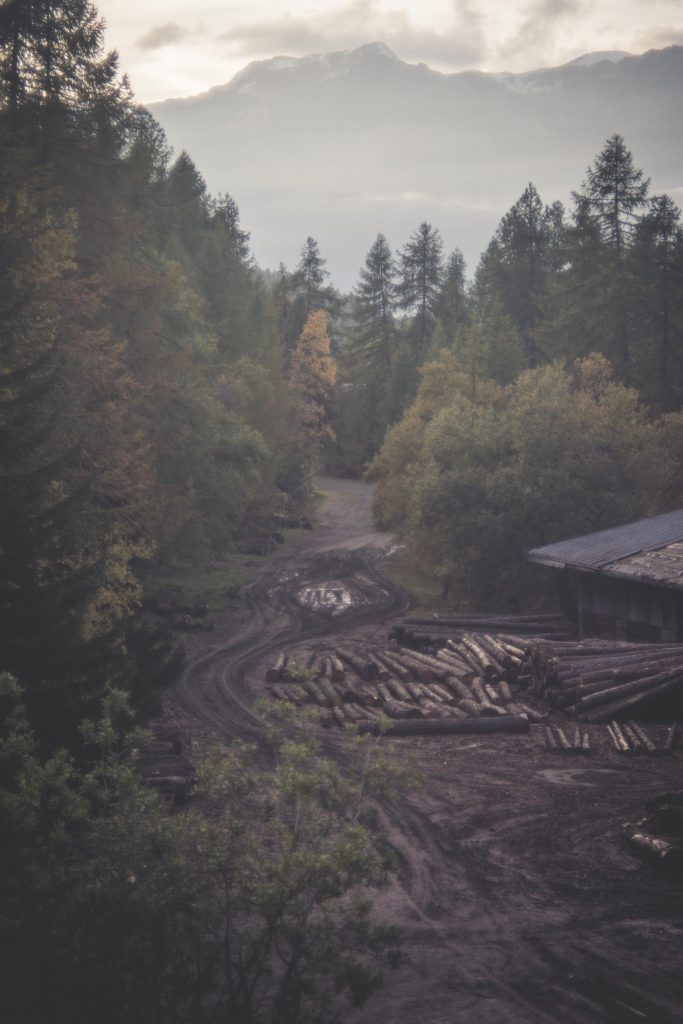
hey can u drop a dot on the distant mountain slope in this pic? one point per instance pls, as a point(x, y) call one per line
point(342, 145)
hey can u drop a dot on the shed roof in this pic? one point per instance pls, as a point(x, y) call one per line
point(601, 550)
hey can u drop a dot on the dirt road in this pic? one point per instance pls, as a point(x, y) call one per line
point(519, 902)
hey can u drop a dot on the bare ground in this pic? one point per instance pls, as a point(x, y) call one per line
point(518, 899)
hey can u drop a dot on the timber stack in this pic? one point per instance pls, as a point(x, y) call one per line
point(470, 679)
point(602, 680)
point(436, 630)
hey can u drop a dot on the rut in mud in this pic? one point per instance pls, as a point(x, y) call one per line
point(518, 901)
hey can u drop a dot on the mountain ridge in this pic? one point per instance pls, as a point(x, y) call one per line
point(345, 144)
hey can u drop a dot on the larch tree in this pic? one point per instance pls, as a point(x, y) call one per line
point(312, 376)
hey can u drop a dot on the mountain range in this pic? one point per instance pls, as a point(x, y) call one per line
point(343, 145)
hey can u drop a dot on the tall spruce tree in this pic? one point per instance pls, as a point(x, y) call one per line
point(421, 276)
point(613, 193)
point(452, 306)
point(373, 310)
point(657, 271)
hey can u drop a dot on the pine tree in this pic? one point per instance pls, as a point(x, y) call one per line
point(517, 263)
point(419, 288)
point(657, 270)
point(613, 193)
point(56, 74)
point(373, 311)
point(452, 307)
point(310, 276)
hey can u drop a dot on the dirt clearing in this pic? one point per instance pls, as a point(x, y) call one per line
point(518, 897)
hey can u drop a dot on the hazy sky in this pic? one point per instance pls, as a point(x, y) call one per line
point(180, 48)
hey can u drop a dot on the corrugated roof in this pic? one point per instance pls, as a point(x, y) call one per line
point(597, 550)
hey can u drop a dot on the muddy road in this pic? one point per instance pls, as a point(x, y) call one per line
point(518, 901)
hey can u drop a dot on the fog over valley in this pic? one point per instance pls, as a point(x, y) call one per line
point(345, 144)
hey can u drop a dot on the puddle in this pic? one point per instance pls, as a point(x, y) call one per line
point(570, 776)
point(329, 598)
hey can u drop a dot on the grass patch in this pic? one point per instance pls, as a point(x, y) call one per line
point(403, 569)
point(190, 584)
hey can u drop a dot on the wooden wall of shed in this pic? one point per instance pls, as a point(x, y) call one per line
point(627, 610)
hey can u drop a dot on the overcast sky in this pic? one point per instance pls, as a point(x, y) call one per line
point(180, 48)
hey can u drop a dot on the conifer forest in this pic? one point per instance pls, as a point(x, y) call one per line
point(221, 487)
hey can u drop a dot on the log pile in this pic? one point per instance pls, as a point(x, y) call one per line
point(601, 680)
point(469, 679)
point(427, 631)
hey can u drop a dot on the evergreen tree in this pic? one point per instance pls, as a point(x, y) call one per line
point(657, 271)
point(591, 302)
point(452, 308)
point(55, 71)
point(421, 270)
point(374, 301)
point(613, 193)
point(310, 276)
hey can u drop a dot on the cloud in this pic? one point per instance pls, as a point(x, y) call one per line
point(162, 35)
point(541, 24)
point(460, 43)
point(659, 36)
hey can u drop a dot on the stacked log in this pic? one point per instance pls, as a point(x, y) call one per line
point(451, 726)
point(425, 631)
point(469, 680)
point(598, 680)
point(560, 741)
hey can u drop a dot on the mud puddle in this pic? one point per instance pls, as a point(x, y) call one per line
point(330, 598)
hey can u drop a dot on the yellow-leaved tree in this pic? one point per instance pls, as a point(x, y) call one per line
point(312, 377)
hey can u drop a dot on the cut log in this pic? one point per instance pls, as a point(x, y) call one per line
point(550, 741)
point(397, 690)
point(398, 709)
point(442, 693)
point(437, 667)
point(670, 741)
point(339, 716)
point(612, 736)
point(524, 709)
point(318, 695)
point(505, 691)
point(624, 745)
point(284, 693)
point(479, 691)
point(337, 668)
point(367, 670)
point(452, 726)
point(329, 691)
point(275, 672)
point(469, 706)
point(634, 740)
point(563, 741)
point(661, 851)
point(393, 665)
point(615, 693)
point(610, 711)
point(383, 672)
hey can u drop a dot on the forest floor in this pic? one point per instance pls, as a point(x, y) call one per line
point(517, 897)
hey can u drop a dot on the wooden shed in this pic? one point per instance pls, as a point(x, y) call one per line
point(628, 581)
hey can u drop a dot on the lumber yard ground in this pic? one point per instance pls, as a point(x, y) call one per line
point(518, 896)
